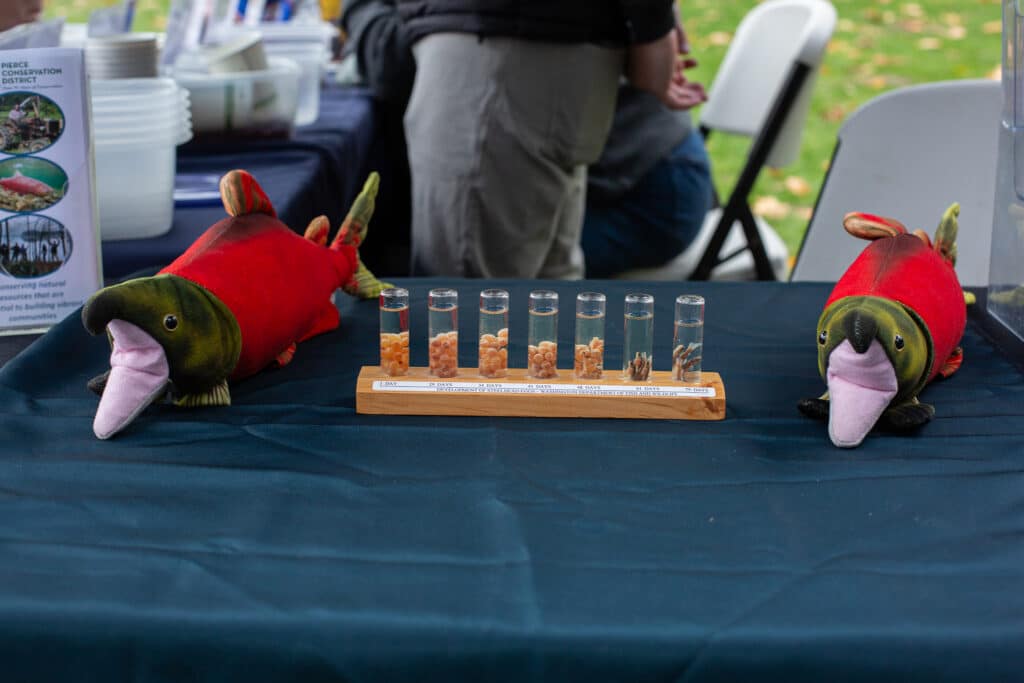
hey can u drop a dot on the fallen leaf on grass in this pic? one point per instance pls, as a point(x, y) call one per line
point(929, 43)
point(991, 28)
point(834, 114)
point(719, 38)
point(912, 9)
point(876, 82)
point(771, 208)
point(797, 186)
point(956, 33)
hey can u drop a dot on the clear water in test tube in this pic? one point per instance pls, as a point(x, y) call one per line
point(638, 337)
point(443, 332)
point(493, 356)
point(588, 354)
point(394, 331)
point(542, 335)
point(688, 338)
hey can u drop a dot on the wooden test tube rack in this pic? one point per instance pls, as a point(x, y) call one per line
point(518, 395)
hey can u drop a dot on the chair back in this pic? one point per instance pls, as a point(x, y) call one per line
point(770, 41)
point(908, 154)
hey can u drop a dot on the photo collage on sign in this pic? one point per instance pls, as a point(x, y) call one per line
point(32, 244)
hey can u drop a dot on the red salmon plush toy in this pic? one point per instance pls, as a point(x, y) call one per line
point(892, 324)
point(239, 299)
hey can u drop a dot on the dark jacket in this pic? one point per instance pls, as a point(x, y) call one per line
point(381, 42)
point(609, 22)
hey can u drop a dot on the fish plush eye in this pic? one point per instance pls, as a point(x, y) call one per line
point(170, 322)
point(823, 337)
point(898, 343)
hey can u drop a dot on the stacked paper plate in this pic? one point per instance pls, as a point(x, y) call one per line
point(137, 124)
point(126, 55)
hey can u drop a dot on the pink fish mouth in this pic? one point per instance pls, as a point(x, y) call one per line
point(138, 375)
point(860, 387)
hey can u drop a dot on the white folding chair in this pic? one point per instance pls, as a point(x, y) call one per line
point(908, 154)
point(763, 91)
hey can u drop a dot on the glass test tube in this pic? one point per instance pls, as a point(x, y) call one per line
point(493, 357)
point(688, 338)
point(638, 337)
point(542, 335)
point(588, 357)
point(394, 331)
point(443, 331)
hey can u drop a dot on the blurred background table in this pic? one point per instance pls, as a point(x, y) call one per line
point(290, 538)
point(318, 171)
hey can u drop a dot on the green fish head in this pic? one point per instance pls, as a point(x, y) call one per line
point(900, 332)
point(199, 334)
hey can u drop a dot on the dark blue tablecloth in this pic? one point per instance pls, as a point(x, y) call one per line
point(289, 538)
point(317, 172)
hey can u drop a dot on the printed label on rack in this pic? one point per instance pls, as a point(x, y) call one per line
point(545, 388)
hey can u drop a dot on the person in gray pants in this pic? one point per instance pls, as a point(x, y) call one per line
point(511, 101)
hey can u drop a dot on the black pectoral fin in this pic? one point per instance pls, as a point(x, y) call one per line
point(98, 383)
point(815, 408)
point(907, 416)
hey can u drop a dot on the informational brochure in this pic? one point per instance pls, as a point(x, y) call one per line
point(50, 259)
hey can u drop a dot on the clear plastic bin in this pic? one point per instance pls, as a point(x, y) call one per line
point(244, 104)
point(311, 58)
point(1006, 269)
point(320, 32)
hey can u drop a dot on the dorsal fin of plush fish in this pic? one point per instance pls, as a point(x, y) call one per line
point(868, 226)
point(317, 231)
point(242, 195)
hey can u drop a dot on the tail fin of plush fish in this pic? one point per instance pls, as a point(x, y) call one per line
point(242, 195)
point(945, 235)
point(353, 230)
point(868, 226)
point(363, 283)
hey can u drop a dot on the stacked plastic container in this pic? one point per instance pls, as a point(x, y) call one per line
point(137, 125)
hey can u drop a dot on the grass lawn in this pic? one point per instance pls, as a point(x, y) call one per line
point(878, 45)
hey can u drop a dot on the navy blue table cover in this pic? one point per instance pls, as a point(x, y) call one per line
point(317, 172)
point(287, 538)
